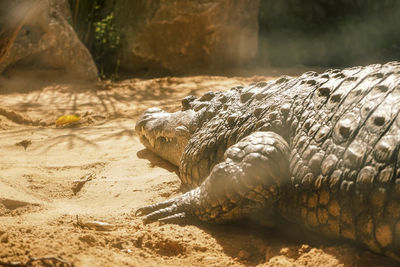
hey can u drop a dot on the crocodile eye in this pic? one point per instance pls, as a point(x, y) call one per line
point(186, 102)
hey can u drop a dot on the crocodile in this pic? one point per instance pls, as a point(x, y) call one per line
point(318, 150)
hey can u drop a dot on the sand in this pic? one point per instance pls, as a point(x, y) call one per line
point(56, 189)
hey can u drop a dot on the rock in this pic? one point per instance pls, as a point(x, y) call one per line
point(185, 36)
point(12, 17)
point(48, 42)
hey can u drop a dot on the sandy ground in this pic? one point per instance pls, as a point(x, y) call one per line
point(67, 178)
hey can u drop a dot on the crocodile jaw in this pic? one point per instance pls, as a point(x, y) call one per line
point(166, 134)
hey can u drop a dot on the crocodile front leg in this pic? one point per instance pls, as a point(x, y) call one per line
point(246, 181)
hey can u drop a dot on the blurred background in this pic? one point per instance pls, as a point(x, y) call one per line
point(145, 38)
point(201, 35)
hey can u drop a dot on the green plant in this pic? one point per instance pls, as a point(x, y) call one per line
point(106, 45)
point(94, 23)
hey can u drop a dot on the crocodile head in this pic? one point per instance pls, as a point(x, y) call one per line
point(166, 134)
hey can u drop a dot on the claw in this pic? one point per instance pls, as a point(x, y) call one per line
point(161, 213)
point(151, 208)
point(175, 210)
point(178, 218)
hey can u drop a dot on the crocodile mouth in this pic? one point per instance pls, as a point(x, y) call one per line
point(165, 147)
point(166, 134)
point(155, 141)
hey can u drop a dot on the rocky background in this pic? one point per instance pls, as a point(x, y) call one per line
point(46, 42)
point(181, 37)
point(154, 37)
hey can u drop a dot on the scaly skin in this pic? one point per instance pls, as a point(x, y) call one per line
point(321, 150)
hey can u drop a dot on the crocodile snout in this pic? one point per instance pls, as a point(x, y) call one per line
point(164, 133)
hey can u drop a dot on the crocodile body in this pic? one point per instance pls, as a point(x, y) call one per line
point(320, 150)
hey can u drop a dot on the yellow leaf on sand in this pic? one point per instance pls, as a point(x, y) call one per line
point(67, 119)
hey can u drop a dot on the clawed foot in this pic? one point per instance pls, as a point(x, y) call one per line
point(171, 211)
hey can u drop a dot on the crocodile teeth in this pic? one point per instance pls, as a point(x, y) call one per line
point(152, 141)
